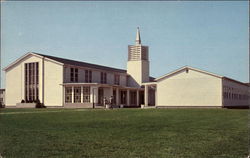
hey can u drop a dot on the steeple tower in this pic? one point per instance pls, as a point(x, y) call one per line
point(138, 37)
point(138, 64)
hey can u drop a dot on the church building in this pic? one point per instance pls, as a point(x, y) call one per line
point(59, 82)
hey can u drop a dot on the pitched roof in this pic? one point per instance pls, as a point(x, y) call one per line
point(201, 71)
point(70, 62)
point(82, 64)
point(151, 79)
point(187, 67)
point(233, 80)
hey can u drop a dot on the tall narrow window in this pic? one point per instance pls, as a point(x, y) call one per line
point(127, 81)
point(31, 82)
point(77, 94)
point(88, 76)
point(117, 79)
point(68, 94)
point(37, 76)
point(86, 94)
point(103, 77)
point(74, 74)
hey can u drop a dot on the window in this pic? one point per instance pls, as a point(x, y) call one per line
point(103, 77)
point(37, 73)
point(88, 76)
point(117, 79)
point(127, 81)
point(31, 78)
point(224, 95)
point(74, 74)
point(68, 95)
point(86, 94)
point(77, 94)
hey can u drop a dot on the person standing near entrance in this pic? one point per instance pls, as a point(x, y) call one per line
point(105, 102)
point(111, 102)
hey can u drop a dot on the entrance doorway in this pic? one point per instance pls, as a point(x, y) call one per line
point(141, 98)
point(123, 97)
point(114, 96)
point(151, 97)
point(100, 96)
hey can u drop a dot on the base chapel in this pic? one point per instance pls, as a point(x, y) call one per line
point(59, 82)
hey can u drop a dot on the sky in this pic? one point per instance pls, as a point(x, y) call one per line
point(209, 35)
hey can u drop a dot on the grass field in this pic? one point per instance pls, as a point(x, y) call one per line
point(168, 133)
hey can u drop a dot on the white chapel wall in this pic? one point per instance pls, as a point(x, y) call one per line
point(189, 89)
point(53, 80)
point(15, 90)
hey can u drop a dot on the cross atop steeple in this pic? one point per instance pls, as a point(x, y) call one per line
point(138, 37)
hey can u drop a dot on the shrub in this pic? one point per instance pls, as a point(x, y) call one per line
point(39, 104)
point(22, 101)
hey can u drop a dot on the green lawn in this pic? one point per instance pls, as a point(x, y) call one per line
point(167, 133)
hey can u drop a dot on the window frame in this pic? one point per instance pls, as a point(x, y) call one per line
point(104, 77)
point(88, 76)
point(74, 73)
point(68, 93)
point(116, 79)
point(86, 94)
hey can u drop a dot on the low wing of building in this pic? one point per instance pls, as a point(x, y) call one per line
point(191, 87)
point(2, 98)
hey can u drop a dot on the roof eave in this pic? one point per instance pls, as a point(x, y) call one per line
point(187, 67)
point(27, 54)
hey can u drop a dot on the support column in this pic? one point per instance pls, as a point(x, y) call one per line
point(94, 94)
point(81, 94)
point(155, 95)
point(28, 84)
point(137, 98)
point(111, 94)
point(117, 96)
point(146, 95)
point(128, 98)
point(63, 95)
point(35, 82)
point(72, 93)
point(43, 81)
